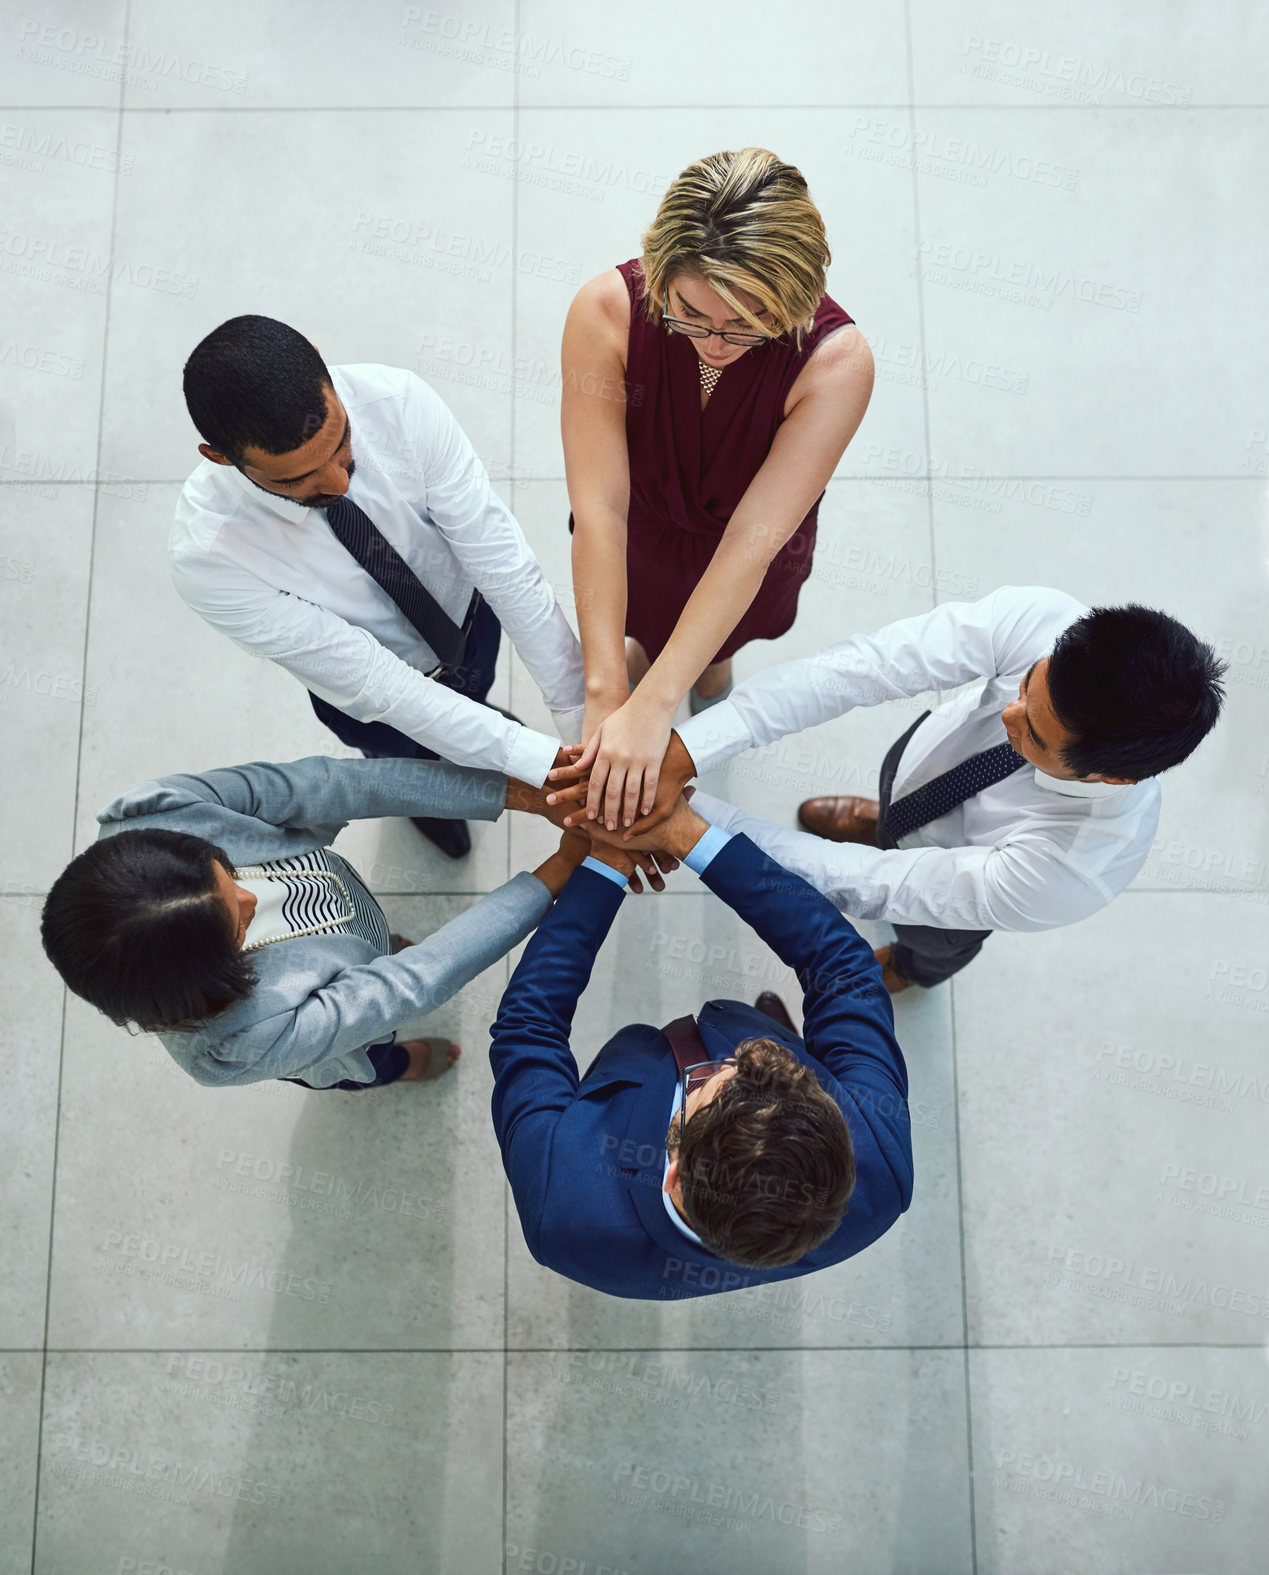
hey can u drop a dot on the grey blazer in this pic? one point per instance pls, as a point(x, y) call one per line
point(323, 999)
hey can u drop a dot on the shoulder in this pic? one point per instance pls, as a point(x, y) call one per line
point(206, 501)
point(841, 363)
point(602, 305)
point(1031, 617)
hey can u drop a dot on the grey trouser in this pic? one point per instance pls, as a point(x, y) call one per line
point(924, 953)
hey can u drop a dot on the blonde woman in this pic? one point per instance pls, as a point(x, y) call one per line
point(694, 492)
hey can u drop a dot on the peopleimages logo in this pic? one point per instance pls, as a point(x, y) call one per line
point(1122, 1279)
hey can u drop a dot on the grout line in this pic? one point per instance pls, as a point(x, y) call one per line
point(619, 109)
point(510, 1219)
point(565, 1350)
point(951, 1004)
point(79, 755)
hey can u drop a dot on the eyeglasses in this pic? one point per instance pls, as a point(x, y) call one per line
point(693, 1078)
point(680, 325)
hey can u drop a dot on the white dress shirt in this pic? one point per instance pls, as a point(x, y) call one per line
point(1030, 853)
point(269, 573)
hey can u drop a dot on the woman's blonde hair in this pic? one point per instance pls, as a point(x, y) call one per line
point(741, 222)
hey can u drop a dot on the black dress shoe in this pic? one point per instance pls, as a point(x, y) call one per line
point(450, 836)
point(770, 1004)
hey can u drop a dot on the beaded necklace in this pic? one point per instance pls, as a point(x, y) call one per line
point(709, 377)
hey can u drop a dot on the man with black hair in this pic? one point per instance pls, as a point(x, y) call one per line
point(341, 525)
point(1025, 804)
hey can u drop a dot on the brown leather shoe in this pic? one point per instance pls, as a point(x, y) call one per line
point(890, 975)
point(773, 1007)
point(845, 819)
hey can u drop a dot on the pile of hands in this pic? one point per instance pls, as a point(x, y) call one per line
point(639, 824)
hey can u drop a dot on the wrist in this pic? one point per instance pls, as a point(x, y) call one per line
point(554, 872)
point(683, 831)
point(608, 684)
point(681, 753)
point(606, 854)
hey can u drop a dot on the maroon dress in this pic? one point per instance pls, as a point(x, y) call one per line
point(689, 468)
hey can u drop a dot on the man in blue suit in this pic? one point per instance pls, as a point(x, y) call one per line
point(719, 1153)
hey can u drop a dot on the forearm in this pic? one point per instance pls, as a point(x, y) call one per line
point(1019, 886)
point(847, 1018)
point(599, 589)
point(939, 650)
point(321, 790)
point(721, 598)
point(363, 1005)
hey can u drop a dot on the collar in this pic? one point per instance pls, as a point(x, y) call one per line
point(669, 1201)
point(285, 508)
point(1079, 789)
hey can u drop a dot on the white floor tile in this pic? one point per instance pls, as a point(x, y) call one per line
point(224, 1460)
point(651, 1460)
point(77, 55)
point(300, 55)
point(576, 54)
point(60, 169)
point(1112, 1088)
point(1063, 302)
point(19, 1449)
point(1105, 1460)
point(46, 534)
point(365, 271)
point(1133, 56)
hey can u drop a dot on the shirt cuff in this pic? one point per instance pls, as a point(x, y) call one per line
point(531, 757)
point(712, 843)
point(714, 736)
point(600, 868)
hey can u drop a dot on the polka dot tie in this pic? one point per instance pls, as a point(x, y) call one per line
point(952, 788)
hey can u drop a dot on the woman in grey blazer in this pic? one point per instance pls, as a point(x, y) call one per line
point(213, 911)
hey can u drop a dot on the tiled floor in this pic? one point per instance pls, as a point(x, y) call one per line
point(1050, 223)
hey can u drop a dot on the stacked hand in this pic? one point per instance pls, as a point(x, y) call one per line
point(575, 787)
point(577, 843)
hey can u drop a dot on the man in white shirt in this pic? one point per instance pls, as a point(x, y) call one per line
point(1026, 803)
point(341, 525)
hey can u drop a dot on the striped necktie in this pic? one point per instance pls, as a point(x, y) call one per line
point(945, 792)
point(353, 528)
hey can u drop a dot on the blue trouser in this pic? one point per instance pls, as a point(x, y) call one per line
point(474, 678)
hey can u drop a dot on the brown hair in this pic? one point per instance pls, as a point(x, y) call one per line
point(767, 1167)
point(745, 224)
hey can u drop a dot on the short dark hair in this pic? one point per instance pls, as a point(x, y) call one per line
point(767, 1167)
point(135, 927)
point(254, 382)
point(1137, 690)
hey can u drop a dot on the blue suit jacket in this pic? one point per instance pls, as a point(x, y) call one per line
point(586, 1158)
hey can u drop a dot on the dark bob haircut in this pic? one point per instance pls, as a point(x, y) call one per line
point(255, 383)
point(134, 926)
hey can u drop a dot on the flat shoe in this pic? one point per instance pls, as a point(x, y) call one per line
point(440, 1061)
